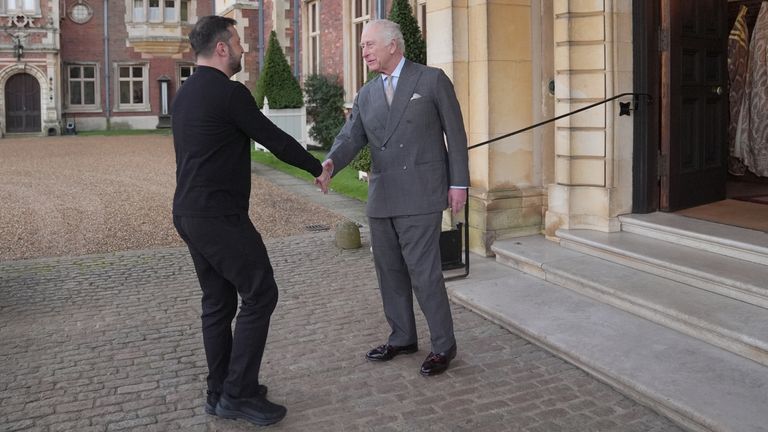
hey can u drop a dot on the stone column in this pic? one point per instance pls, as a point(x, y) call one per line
point(486, 48)
point(593, 149)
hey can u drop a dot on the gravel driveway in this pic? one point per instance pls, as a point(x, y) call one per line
point(74, 195)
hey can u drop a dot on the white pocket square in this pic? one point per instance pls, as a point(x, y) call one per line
point(415, 96)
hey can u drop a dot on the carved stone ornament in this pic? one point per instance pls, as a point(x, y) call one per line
point(80, 12)
point(21, 21)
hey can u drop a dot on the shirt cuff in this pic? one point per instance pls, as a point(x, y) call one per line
point(459, 187)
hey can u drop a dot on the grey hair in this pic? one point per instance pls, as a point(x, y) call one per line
point(390, 31)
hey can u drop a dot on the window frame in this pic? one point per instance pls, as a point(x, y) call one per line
point(184, 6)
point(35, 11)
point(421, 17)
point(359, 70)
point(83, 107)
point(158, 14)
point(142, 8)
point(313, 37)
point(179, 78)
point(145, 105)
point(174, 8)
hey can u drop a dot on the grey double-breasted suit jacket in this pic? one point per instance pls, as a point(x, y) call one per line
point(418, 145)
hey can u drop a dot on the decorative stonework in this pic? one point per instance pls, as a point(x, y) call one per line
point(80, 12)
point(19, 21)
point(159, 46)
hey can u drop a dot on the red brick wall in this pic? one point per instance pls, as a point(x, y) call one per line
point(85, 43)
point(332, 38)
point(250, 35)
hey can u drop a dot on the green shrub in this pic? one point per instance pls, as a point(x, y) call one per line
point(362, 162)
point(276, 81)
point(415, 47)
point(325, 105)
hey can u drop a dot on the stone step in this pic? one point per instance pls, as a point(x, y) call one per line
point(745, 244)
point(733, 325)
point(732, 277)
point(697, 385)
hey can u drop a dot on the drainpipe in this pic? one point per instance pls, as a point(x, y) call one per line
point(261, 35)
point(381, 9)
point(296, 39)
point(107, 86)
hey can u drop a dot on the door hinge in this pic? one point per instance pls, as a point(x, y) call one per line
point(663, 39)
point(662, 165)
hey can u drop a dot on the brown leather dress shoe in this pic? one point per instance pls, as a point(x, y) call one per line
point(388, 352)
point(436, 364)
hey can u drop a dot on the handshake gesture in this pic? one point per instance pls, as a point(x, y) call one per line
point(325, 177)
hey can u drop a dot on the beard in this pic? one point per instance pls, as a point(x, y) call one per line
point(235, 64)
point(234, 61)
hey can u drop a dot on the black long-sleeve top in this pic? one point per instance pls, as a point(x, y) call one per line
point(214, 119)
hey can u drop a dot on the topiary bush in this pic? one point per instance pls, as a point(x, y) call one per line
point(325, 104)
point(415, 47)
point(276, 81)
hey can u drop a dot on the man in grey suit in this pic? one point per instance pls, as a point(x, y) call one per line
point(411, 120)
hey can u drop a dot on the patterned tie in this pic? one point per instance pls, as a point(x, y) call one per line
point(389, 91)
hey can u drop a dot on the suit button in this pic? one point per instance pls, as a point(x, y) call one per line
point(383, 148)
point(405, 167)
point(401, 146)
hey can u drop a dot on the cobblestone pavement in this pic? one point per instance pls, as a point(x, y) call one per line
point(112, 342)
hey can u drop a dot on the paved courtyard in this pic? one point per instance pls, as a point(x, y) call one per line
point(112, 342)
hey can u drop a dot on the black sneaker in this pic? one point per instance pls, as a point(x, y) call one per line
point(257, 410)
point(213, 397)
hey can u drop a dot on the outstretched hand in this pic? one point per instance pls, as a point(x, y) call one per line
point(325, 178)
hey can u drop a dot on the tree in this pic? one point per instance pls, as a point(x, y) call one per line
point(325, 104)
point(276, 81)
point(415, 47)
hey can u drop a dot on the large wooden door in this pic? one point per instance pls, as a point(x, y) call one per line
point(22, 104)
point(694, 120)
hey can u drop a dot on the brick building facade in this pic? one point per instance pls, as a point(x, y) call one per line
point(90, 64)
point(95, 64)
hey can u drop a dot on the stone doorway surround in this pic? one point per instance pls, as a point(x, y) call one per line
point(49, 114)
point(593, 149)
point(502, 58)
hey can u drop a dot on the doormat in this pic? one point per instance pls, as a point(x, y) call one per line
point(732, 212)
point(759, 199)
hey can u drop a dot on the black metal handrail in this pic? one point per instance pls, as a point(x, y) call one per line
point(624, 111)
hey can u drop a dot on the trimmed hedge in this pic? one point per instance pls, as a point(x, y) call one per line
point(276, 81)
point(415, 47)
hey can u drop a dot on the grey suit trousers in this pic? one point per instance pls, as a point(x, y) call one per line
point(406, 252)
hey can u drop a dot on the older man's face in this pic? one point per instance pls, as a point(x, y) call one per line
point(379, 54)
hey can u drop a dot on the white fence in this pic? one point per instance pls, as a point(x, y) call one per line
point(292, 120)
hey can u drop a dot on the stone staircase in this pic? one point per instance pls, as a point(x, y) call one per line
point(672, 311)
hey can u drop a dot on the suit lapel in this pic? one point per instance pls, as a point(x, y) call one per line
point(409, 76)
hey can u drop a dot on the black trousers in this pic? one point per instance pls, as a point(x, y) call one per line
point(230, 259)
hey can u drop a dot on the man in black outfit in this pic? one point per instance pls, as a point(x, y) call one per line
point(214, 120)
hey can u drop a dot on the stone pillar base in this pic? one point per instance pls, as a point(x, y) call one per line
point(575, 207)
point(502, 214)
